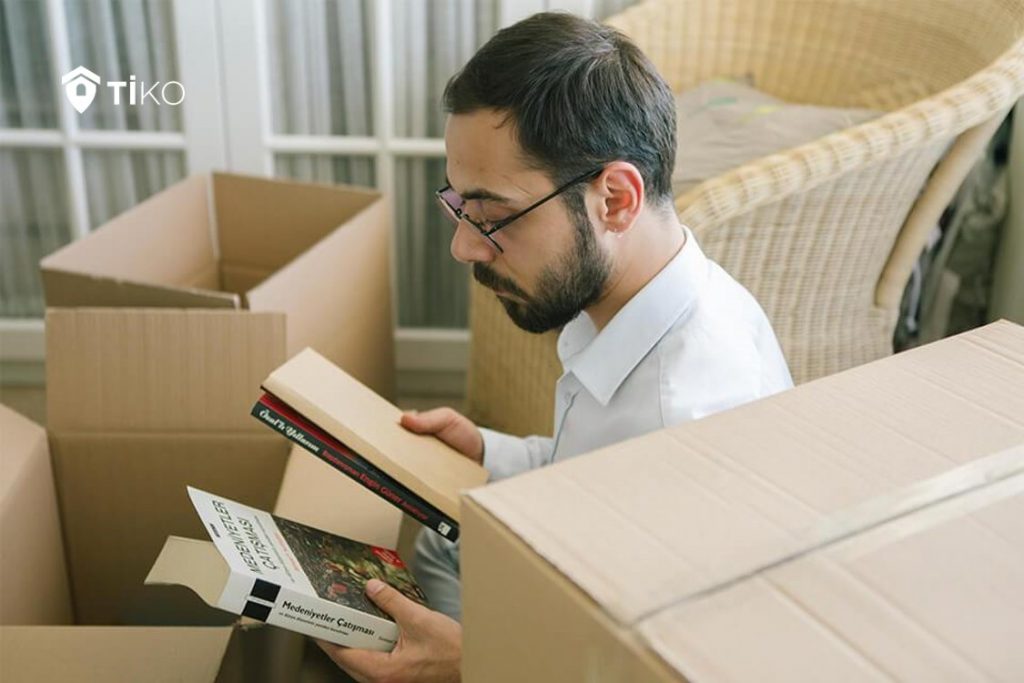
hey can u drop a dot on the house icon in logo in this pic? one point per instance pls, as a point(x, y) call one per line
point(80, 87)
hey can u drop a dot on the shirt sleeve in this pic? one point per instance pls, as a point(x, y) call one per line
point(506, 456)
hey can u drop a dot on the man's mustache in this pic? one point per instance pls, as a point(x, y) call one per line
point(488, 278)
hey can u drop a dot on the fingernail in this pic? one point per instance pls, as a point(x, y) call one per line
point(374, 586)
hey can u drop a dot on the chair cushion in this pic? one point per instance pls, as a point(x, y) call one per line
point(724, 123)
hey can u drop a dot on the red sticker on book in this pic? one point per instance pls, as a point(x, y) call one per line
point(388, 556)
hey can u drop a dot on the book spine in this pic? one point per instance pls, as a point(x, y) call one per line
point(357, 468)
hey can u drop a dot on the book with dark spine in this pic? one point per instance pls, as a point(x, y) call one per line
point(272, 411)
point(334, 416)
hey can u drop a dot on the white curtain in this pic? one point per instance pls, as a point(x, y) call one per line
point(31, 223)
point(606, 8)
point(114, 38)
point(117, 39)
point(322, 63)
point(433, 40)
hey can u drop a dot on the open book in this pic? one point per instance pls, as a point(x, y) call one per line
point(286, 574)
point(321, 408)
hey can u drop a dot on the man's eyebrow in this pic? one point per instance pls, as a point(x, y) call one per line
point(481, 194)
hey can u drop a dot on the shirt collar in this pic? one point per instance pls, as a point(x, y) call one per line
point(602, 361)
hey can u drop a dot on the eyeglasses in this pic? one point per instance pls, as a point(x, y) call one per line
point(453, 204)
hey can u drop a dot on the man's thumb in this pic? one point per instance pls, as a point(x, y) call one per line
point(391, 600)
point(414, 421)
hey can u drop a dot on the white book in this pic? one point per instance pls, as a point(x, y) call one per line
point(286, 574)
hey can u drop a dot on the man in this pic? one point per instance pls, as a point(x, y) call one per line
point(560, 146)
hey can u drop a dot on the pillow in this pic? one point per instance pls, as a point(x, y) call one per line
point(722, 124)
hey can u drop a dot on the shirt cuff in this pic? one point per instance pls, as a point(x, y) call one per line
point(504, 455)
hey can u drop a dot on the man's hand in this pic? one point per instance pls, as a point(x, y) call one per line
point(429, 645)
point(450, 426)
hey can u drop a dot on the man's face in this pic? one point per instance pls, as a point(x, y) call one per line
point(552, 266)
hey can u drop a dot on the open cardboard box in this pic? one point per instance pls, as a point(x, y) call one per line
point(39, 639)
point(864, 526)
point(160, 326)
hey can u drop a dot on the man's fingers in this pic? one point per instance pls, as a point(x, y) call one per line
point(391, 600)
point(362, 665)
point(449, 426)
point(429, 422)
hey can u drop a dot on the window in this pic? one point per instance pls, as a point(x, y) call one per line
point(340, 91)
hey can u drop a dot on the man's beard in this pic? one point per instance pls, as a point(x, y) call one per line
point(576, 282)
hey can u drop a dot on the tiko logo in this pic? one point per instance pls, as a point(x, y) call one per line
point(80, 88)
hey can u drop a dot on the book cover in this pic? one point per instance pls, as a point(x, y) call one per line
point(286, 574)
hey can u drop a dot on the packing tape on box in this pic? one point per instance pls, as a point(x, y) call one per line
point(905, 511)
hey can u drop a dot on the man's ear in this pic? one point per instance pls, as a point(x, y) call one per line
point(620, 189)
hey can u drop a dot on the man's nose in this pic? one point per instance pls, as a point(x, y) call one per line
point(469, 246)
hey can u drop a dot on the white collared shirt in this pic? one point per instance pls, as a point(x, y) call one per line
point(692, 342)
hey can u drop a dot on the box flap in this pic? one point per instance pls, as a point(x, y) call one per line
point(22, 442)
point(315, 494)
point(96, 654)
point(157, 370)
point(348, 276)
point(266, 223)
point(158, 253)
point(197, 565)
point(32, 566)
point(121, 497)
point(934, 595)
point(742, 489)
point(368, 424)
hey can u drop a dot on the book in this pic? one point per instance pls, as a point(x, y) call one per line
point(286, 574)
point(331, 415)
point(274, 412)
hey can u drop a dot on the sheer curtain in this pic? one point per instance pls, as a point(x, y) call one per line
point(118, 38)
point(322, 61)
point(113, 38)
point(32, 223)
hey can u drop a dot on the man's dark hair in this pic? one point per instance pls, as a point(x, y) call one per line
point(579, 94)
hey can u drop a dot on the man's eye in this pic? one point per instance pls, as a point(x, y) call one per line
point(477, 218)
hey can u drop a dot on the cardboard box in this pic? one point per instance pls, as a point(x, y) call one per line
point(865, 526)
point(31, 552)
point(161, 325)
point(37, 642)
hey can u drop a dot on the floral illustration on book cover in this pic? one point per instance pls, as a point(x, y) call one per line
point(339, 568)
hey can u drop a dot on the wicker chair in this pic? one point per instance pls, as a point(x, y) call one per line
point(825, 235)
